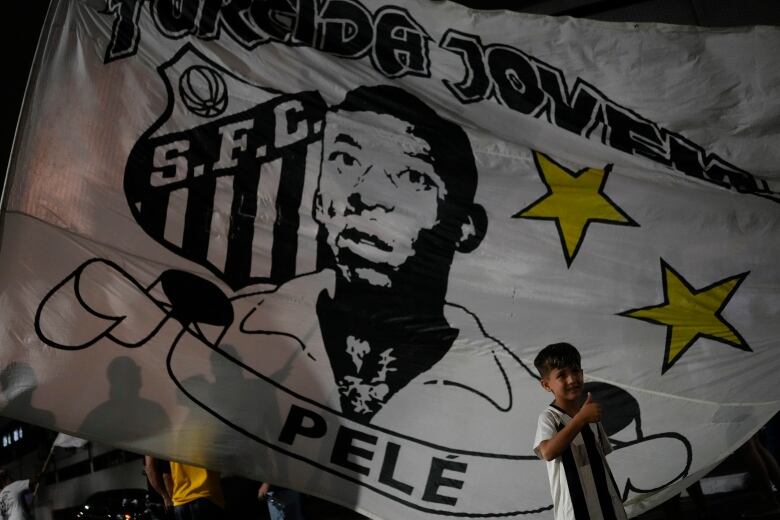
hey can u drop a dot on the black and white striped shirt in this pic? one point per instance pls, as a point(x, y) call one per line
point(581, 482)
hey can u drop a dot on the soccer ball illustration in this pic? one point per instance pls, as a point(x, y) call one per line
point(203, 91)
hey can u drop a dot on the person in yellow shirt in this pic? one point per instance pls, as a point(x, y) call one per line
point(196, 492)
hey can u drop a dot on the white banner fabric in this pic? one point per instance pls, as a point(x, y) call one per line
point(320, 243)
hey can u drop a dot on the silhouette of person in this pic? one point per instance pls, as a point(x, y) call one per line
point(18, 382)
point(227, 389)
point(139, 417)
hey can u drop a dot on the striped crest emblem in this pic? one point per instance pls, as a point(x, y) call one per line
point(226, 176)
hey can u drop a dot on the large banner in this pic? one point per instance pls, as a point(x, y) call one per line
point(319, 243)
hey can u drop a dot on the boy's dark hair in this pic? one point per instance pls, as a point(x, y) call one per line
point(557, 355)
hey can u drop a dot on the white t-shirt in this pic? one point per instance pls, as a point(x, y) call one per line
point(581, 482)
point(11, 505)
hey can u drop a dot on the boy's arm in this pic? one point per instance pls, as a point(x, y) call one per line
point(553, 447)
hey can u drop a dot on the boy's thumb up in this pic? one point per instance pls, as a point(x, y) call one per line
point(589, 399)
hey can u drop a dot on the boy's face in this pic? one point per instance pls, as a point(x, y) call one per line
point(565, 383)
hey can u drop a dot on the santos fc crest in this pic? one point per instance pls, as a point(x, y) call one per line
point(220, 177)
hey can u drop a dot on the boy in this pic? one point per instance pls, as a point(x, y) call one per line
point(572, 441)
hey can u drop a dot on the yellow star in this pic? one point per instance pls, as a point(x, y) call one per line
point(690, 314)
point(573, 200)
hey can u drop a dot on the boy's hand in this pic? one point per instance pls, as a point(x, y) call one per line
point(590, 411)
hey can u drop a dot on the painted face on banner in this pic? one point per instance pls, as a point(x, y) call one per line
point(378, 190)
